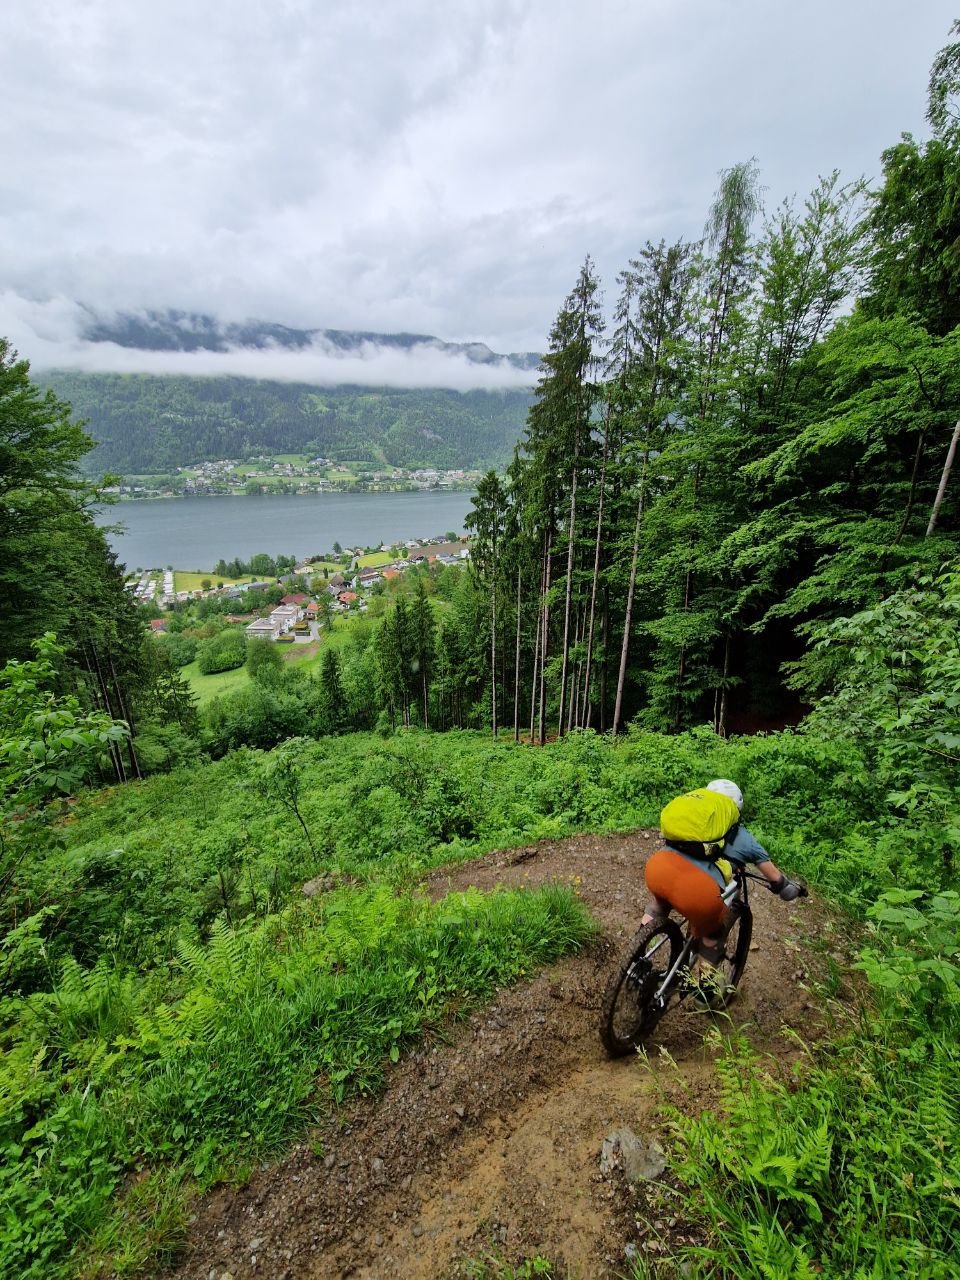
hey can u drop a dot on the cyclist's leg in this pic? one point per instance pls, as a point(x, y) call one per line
point(657, 909)
point(678, 883)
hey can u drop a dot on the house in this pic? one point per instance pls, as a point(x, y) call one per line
point(312, 610)
point(285, 615)
point(346, 598)
point(369, 576)
point(159, 626)
point(298, 599)
point(263, 629)
point(390, 574)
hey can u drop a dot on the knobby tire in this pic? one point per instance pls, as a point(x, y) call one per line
point(628, 1013)
point(736, 948)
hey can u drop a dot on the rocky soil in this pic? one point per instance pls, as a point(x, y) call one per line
point(489, 1142)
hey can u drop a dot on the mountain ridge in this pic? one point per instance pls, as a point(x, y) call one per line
point(174, 330)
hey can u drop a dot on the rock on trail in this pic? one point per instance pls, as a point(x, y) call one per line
point(488, 1142)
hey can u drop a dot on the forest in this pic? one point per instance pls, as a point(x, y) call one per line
point(145, 424)
point(761, 442)
point(726, 545)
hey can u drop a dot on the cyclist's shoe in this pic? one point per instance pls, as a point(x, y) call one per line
point(711, 990)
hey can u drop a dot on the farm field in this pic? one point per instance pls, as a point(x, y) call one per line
point(191, 580)
point(207, 687)
point(324, 566)
point(374, 559)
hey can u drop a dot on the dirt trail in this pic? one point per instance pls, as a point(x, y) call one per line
point(488, 1143)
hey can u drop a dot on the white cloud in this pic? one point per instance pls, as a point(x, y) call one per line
point(49, 334)
point(412, 164)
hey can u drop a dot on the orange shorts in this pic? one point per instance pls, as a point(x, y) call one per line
point(692, 892)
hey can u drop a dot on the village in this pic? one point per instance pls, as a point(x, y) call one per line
point(291, 474)
point(298, 615)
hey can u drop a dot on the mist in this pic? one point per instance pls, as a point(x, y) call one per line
point(49, 335)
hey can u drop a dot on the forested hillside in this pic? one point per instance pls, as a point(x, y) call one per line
point(759, 442)
point(144, 424)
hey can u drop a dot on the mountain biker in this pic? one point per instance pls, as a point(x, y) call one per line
point(679, 880)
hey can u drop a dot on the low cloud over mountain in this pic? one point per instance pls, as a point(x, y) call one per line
point(62, 334)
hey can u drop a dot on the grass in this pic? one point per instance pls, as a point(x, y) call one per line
point(260, 1031)
point(207, 687)
point(374, 558)
point(324, 566)
point(188, 580)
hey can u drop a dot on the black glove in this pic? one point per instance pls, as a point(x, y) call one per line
point(786, 889)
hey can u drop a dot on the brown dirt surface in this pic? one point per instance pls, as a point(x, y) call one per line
point(486, 1140)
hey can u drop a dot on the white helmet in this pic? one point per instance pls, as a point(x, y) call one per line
point(727, 788)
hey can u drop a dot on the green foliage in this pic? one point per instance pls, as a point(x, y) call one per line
point(154, 424)
point(852, 1167)
point(164, 966)
point(893, 679)
point(267, 1024)
point(263, 659)
point(180, 649)
point(223, 652)
point(56, 569)
point(48, 744)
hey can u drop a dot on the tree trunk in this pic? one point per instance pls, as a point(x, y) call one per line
point(721, 716)
point(585, 716)
point(493, 644)
point(545, 642)
point(125, 710)
point(572, 701)
point(604, 665)
point(516, 666)
point(628, 617)
point(913, 488)
point(533, 679)
point(117, 758)
point(944, 478)
point(571, 533)
point(536, 645)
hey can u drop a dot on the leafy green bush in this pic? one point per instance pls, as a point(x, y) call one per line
point(264, 1025)
point(223, 652)
point(853, 1169)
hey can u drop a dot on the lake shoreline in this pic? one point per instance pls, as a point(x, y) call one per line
point(157, 531)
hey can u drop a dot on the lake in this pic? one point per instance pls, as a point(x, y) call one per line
point(194, 533)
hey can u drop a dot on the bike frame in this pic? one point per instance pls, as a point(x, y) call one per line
point(736, 889)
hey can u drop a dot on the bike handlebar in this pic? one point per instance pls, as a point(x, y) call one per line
point(752, 875)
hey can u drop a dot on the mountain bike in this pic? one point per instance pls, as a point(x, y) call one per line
point(656, 972)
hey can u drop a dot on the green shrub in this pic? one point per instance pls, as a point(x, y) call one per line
point(853, 1167)
point(264, 1025)
point(223, 652)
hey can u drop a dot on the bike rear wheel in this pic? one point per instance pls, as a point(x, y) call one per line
point(630, 1010)
point(736, 949)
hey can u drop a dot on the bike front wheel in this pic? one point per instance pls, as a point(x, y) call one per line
point(736, 949)
point(631, 1007)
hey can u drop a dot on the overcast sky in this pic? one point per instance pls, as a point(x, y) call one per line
point(440, 166)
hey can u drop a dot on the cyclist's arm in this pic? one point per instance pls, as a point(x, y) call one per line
point(770, 871)
point(745, 848)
